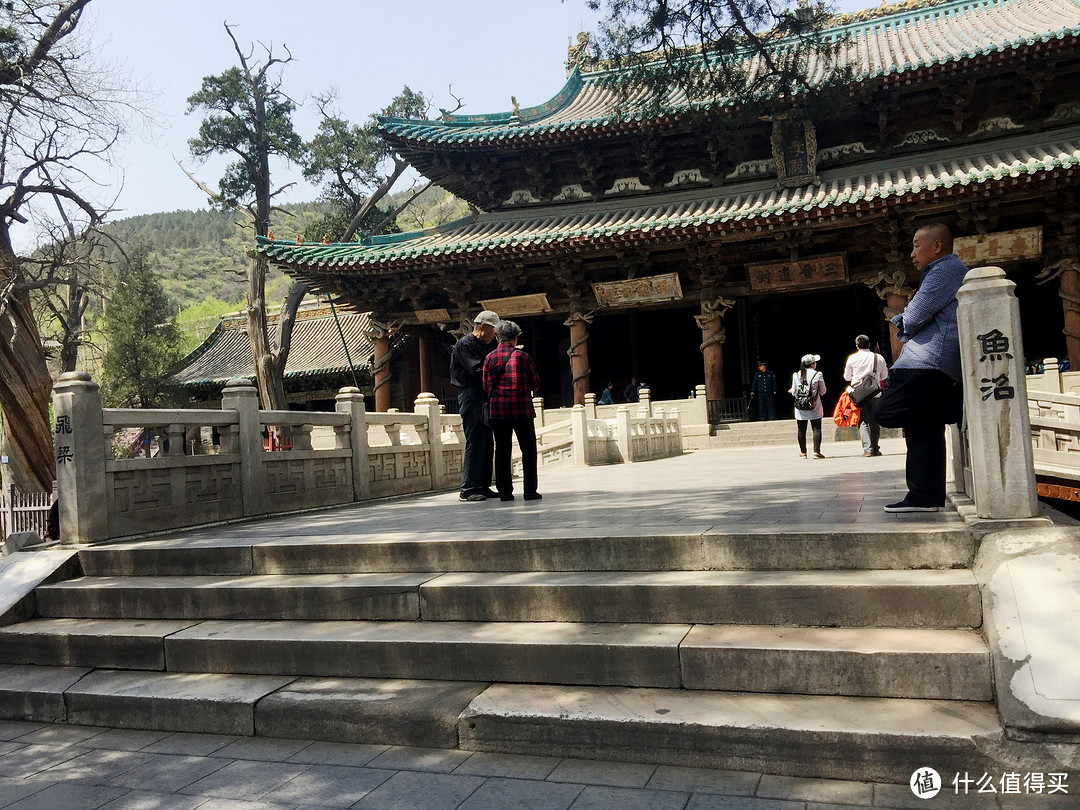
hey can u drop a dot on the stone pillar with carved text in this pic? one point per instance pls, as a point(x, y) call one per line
point(379, 334)
point(579, 353)
point(713, 335)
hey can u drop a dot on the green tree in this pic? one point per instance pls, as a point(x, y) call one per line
point(357, 168)
point(142, 336)
point(60, 115)
point(246, 115)
point(714, 53)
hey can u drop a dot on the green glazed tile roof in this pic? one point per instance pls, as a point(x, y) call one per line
point(542, 230)
point(914, 36)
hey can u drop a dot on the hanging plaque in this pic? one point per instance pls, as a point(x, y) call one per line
point(518, 305)
point(794, 148)
point(648, 290)
point(431, 315)
point(819, 271)
point(1025, 243)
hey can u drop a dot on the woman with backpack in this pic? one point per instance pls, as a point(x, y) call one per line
point(807, 386)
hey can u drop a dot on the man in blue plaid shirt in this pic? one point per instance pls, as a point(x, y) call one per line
point(924, 393)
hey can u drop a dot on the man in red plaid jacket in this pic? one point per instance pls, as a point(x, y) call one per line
point(510, 380)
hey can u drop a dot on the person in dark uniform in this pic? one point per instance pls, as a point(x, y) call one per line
point(763, 391)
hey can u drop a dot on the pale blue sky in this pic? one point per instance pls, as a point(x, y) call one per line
point(487, 50)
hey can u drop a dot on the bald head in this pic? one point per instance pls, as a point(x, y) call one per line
point(931, 242)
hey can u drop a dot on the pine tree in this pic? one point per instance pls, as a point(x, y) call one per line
point(143, 339)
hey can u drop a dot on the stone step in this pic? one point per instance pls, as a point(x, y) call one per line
point(868, 662)
point(884, 662)
point(947, 599)
point(945, 547)
point(853, 738)
point(879, 739)
point(544, 652)
point(308, 597)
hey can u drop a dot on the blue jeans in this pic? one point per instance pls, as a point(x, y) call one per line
point(479, 446)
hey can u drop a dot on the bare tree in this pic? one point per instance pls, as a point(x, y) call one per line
point(58, 116)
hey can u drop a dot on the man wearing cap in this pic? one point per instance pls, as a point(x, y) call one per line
point(924, 393)
point(467, 374)
point(866, 365)
point(763, 391)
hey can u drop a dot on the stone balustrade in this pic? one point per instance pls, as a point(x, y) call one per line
point(122, 472)
point(1054, 411)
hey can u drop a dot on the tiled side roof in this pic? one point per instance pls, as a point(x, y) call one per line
point(748, 205)
point(316, 350)
point(915, 36)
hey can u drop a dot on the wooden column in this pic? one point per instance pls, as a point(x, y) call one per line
point(1070, 303)
point(579, 354)
point(893, 290)
point(379, 334)
point(895, 303)
point(423, 348)
point(711, 323)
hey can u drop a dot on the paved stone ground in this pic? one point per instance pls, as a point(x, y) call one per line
point(55, 767)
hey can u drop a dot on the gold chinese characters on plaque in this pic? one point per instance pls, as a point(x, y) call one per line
point(1005, 246)
point(431, 315)
point(518, 305)
point(814, 272)
point(648, 290)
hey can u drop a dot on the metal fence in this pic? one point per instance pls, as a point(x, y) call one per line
point(732, 409)
point(25, 512)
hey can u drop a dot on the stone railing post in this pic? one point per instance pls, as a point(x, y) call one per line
point(644, 402)
point(995, 396)
point(427, 404)
point(351, 401)
point(1052, 376)
point(622, 428)
point(80, 459)
point(697, 411)
point(240, 395)
point(538, 406)
point(580, 433)
point(590, 405)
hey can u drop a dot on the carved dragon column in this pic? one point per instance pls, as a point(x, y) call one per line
point(579, 353)
point(713, 335)
point(379, 334)
point(893, 290)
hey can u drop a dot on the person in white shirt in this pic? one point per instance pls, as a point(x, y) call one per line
point(860, 366)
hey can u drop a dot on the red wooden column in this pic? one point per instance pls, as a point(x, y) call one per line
point(1069, 291)
point(380, 366)
point(423, 348)
point(895, 302)
point(711, 323)
point(579, 354)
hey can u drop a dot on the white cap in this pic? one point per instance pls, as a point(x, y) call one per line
point(488, 317)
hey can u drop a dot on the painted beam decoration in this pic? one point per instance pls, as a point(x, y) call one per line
point(536, 304)
point(994, 248)
point(818, 271)
point(648, 290)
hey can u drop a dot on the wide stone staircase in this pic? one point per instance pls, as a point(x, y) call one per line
point(851, 654)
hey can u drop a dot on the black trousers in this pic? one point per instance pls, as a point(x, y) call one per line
point(476, 462)
point(922, 402)
point(815, 426)
point(525, 431)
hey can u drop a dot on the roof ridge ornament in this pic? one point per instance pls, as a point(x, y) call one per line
point(578, 56)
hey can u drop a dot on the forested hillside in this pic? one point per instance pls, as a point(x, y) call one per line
point(200, 256)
